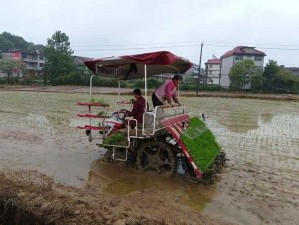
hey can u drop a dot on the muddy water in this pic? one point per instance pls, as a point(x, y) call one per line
point(260, 137)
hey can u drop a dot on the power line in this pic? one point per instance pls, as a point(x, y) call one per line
point(177, 46)
point(136, 48)
point(190, 44)
point(160, 43)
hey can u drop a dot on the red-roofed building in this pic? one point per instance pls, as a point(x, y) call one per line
point(238, 54)
point(213, 71)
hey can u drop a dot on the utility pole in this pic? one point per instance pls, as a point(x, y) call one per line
point(199, 67)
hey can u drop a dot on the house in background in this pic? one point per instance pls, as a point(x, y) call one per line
point(238, 54)
point(213, 71)
point(34, 60)
point(194, 72)
point(11, 55)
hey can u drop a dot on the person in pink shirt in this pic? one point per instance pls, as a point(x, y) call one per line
point(167, 92)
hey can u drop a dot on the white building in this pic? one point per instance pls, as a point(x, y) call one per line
point(235, 55)
point(213, 71)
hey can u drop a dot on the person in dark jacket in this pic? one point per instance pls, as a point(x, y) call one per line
point(138, 108)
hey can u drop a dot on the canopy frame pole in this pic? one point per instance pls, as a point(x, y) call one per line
point(90, 85)
point(145, 86)
point(118, 91)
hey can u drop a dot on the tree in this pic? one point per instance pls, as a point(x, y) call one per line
point(243, 73)
point(9, 42)
point(279, 80)
point(257, 80)
point(14, 42)
point(271, 70)
point(12, 67)
point(270, 74)
point(59, 56)
point(285, 82)
point(5, 44)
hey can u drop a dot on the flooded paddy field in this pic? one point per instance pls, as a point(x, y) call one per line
point(39, 139)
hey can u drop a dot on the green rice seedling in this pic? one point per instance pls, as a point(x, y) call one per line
point(118, 138)
point(203, 148)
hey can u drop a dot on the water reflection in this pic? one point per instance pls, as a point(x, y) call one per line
point(240, 122)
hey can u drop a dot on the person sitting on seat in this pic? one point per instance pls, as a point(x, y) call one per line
point(137, 110)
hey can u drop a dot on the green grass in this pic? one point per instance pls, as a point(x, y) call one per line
point(203, 148)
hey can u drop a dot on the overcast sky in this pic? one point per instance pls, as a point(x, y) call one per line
point(98, 28)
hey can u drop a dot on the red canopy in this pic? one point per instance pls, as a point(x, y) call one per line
point(132, 66)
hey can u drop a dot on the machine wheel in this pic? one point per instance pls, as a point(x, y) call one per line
point(131, 160)
point(156, 156)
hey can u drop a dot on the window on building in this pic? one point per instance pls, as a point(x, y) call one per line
point(41, 57)
point(258, 58)
point(239, 57)
point(41, 65)
point(211, 66)
point(210, 72)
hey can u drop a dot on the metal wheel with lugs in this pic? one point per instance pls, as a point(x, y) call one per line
point(156, 156)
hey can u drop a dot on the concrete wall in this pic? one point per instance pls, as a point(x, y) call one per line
point(226, 64)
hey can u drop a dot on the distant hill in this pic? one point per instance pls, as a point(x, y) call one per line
point(9, 41)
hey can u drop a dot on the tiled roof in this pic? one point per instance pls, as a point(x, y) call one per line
point(243, 50)
point(213, 61)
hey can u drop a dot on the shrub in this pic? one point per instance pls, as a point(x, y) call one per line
point(3, 80)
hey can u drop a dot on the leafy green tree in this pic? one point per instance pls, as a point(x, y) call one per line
point(5, 44)
point(9, 42)
point(257, 80)
point(270, 73)
point(243, 73)
point(18, 42)
point(59, 56)
point(285, 82)
point(11, 66)
point(279, 80)
point(271, 70)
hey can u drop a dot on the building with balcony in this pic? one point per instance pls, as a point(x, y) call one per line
point(34, 60)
